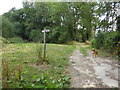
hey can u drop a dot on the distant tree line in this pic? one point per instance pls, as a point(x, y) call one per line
point(67, 21)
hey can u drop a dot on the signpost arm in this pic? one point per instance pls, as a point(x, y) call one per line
point(44, 45)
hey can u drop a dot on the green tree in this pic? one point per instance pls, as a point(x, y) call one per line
point(62, 19)
point(118, 23)
point(7, 28)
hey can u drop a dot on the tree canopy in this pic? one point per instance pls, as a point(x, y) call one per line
point(67, 21)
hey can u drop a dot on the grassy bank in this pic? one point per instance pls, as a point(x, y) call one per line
point(24, 72)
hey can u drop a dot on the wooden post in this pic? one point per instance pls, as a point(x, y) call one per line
point(44, 44)
point(45, 41)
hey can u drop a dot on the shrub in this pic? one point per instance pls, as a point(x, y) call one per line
point(3, 40)
point(110, 41)
point(107, 41)
point(7, 28)
point(16, 40)
point(93, 42)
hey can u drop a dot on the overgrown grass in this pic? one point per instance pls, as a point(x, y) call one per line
point(103, 53)
point(52, 75)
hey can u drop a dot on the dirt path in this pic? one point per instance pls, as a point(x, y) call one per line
point(88, 72)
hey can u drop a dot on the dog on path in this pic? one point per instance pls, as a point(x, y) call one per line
point(94, 53)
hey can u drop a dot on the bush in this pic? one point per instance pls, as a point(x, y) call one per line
point(16, 40)
point(3, 40)
point(7, 28)
point(110, 41)
point(107, 41)
point(97, 42)
point(93, 43)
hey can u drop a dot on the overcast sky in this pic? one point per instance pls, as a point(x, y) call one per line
point(6, 5)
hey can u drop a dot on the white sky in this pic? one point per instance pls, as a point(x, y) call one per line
point(6, 5)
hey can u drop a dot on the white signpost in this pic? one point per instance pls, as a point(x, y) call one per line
point(45, 41)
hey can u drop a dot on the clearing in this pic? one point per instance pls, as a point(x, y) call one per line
point(89, 72)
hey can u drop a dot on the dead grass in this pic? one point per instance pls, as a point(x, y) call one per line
point(19, 72)
point(5, 73)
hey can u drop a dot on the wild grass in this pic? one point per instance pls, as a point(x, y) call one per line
point(8, 73)
point(40, 59)
point(52, 75)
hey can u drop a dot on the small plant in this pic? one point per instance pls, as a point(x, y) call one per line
point(39, 54)
point(16, 40)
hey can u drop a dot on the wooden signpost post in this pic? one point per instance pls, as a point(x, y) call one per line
point(45, 41)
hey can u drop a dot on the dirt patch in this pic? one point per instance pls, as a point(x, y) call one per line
point(86, 71)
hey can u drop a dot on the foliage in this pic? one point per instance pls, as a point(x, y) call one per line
point(118, 23)
point(97, 42)
point(107, 41)
point(42, 81)
point(35, 36)
point(16, 40)
point(3, 40)
point(93, 43)
point(63, 20)
point(7, 28)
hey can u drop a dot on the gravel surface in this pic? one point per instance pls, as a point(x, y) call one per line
point(89, 72)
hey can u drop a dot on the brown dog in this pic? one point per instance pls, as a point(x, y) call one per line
point(95, 53)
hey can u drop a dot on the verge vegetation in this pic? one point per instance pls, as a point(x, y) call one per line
point(23, 70)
